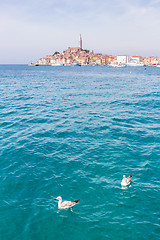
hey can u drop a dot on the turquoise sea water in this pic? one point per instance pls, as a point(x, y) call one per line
point(74, 132)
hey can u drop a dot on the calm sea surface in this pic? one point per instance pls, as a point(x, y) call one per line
point(73, 132)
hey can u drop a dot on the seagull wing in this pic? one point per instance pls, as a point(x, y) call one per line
point(68, 204)
point(128, 179)
point(76, 201)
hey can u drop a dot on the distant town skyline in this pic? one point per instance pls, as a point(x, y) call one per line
point(32, 29)
point(77, 56)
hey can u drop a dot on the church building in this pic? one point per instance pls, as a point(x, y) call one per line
point(76, 49)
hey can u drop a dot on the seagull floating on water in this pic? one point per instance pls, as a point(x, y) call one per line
point(126, 181)
point(65, 204)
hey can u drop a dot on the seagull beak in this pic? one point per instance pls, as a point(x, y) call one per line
point(55, 198)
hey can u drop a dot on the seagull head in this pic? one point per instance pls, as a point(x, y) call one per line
point(58, 198)
point(124, 176)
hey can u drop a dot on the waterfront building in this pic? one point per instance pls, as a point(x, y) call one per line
point(137, 59)
point(83, 60)
point(154, 60)
point(105, 59)
point(123, 59)
point(146, 61)
point(151, 61)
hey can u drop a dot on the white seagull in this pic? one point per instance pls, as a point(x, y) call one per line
point(65, 204)
point(126, 181)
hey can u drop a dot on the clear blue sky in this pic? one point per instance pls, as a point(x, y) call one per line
point(34, 28)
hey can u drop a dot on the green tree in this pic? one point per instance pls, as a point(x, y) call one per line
point(56, 53)
point(87, 51)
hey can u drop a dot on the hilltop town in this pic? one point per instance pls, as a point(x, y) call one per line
point(79, 56)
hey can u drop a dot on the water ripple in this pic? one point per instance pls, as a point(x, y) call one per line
point(75, 133)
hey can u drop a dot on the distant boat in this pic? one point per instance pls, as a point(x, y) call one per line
point(56, 64)
point(31, 64)
point(76, 64)
point(94, 64)
point(134, 64)
point(116, 65)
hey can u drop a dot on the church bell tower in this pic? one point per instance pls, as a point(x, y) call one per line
point(80, 41)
